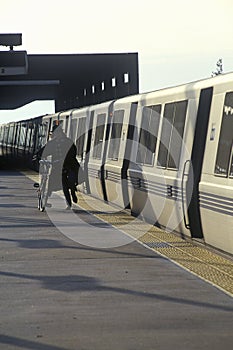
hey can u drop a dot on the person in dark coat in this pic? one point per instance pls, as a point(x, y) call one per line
point(65, 167)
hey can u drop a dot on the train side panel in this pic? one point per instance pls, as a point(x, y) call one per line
point(167, 123)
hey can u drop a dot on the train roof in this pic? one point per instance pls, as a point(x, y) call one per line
point(190, 89)
point(201, 83)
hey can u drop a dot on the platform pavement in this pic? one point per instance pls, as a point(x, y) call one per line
point(59, 295)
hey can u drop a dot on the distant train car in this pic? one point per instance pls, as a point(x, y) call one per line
point(166, 155)
point(2, 139)
point(18, 140)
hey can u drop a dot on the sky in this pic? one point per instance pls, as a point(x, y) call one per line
point(177, 41)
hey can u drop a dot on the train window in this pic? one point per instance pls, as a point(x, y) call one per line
point(41, 138)
point(114, 82)
point(5, 133)
point(28, 137)
point(33, 128)
point(81, 136)
point(126, 78)
point(148, 134)
point(5, 136)
point(99, 134)
point(11, 134)
point(22, 134)
point(73, 129)
point(225, 144)
point(115, 138)
point(172, 134)
point(1, 132)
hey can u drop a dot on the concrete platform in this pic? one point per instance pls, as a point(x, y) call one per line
point(57, 294)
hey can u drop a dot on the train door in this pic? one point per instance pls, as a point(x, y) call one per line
point(100, 115)
point(88, 149)
point(119, 150)
point(79, 132)
point(199, 143)
point(63, 120)
point(143, 181)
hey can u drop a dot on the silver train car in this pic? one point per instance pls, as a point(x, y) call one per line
point(165, 155)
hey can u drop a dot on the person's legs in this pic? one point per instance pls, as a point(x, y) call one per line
point(66, 189)
point(71, 185)
point(74, 197)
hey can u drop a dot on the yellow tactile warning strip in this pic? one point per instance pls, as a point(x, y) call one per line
point(205, 263)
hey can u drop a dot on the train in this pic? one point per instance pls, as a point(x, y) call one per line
point(165, 155)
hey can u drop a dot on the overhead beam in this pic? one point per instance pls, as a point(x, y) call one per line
point(11, 40)
point(29, 82)
point(73, 80)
